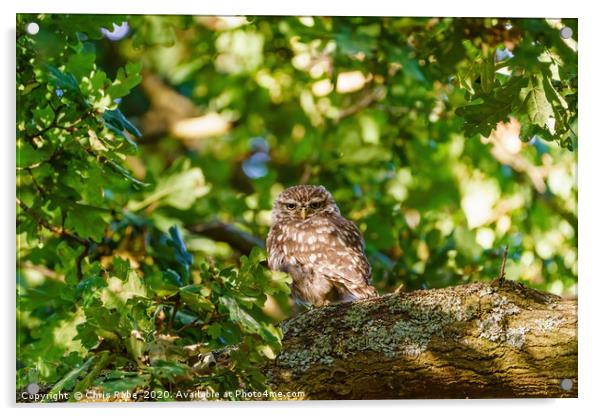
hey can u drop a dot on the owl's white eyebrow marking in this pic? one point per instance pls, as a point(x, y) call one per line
point(288, 201)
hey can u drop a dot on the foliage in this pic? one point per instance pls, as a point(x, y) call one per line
point(443, 139)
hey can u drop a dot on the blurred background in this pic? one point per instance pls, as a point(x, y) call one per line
point(366, 107)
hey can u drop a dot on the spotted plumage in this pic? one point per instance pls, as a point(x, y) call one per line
point(318, 247)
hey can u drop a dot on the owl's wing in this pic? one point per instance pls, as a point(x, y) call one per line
point(274, 247)
point(341, 257)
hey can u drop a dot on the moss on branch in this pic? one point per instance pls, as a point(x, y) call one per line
point(476, 340)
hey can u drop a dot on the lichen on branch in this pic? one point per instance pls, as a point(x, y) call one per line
point(476, 340)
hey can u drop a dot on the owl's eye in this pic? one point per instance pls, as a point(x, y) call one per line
point(315, 205)
point(291, 206)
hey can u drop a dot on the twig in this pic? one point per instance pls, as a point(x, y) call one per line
point(188, 325)
point(35, 182)
point(172, 318)
point(53, 124)
point(502, 276)
point(61, 232)
point(228, 233)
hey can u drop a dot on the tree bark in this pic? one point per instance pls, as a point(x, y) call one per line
point(482, 340)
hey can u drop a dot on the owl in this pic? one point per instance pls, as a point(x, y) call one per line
point(321, 250)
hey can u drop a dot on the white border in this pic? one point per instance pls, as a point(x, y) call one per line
point(590, 208)
point(509, 8)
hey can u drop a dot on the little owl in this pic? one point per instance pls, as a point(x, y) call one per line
point(321, 250)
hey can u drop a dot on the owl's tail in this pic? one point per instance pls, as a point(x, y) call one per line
point(356, 292)
point(367, 291)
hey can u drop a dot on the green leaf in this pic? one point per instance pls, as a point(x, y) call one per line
point(257, 255)
point(27, 155)
point(350, 45)
point(170, 371)
point(488, 72)
point(122, 381)
point(482, 116)
point(89, 24)
point(70, 378)
point(179, 190)
point(117, 122)
point(118, 292)
point(44, 115)
point(240, 315)
point(88, 287)
point(195, 297)
point(552, 95)
point(97, 80)
point(125, 173)
point(81, 64)
point(135, 345)
point(126, 79)
point(214, 330)
point(409, 64)
point(64, 81)
point(87, 223)
point(535, 101)
point(166, 283)
point(181, 253)
point(244, 318)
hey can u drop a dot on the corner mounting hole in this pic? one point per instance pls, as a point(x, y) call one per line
point(32, 388)
point(566, 32)
point(566, 384)
point(32, 28)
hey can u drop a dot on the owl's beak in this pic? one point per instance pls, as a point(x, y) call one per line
point(303, 213)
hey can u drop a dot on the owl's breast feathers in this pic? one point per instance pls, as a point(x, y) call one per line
point(326, 249)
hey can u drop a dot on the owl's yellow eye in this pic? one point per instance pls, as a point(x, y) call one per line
point(315, 205)
point(290, 206)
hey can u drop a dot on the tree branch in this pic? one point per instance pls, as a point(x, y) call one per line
point(227, 233)
point(474, 341)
